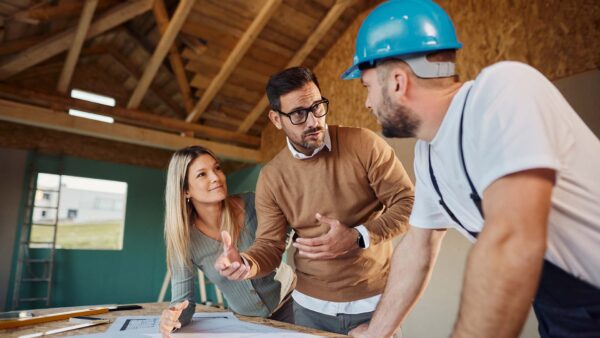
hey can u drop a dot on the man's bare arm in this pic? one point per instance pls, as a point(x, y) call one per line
point(410, 272)
point(504, 266)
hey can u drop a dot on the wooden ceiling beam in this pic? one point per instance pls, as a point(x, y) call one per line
point(195, 44)
point(248, 64)
point(162, 20)
point(242, 76)
point(234, 58)
point(82, 28)
point(48, 69)
point(130, 67)
point(210, 66)
point(126, 115)
point(222, 117)
point(113, 52)
point(64, 9)
point(218, 32)
point(244, 93)
point(201, 18)
point(47, 118)
point(15, 46)
point(62, 41)
point(143, 41)
point(8, 8)
point(165, 43)
point(326, 24)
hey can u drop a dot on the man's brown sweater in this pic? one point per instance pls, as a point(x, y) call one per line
point(358, 181)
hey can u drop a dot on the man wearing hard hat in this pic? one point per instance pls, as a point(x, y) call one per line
point(505, 160)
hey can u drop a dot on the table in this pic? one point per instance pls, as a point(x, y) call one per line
point(149, 309)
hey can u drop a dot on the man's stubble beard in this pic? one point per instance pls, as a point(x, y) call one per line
point(396, 120)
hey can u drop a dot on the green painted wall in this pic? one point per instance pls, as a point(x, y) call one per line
point(131, 275)
point(243, 180)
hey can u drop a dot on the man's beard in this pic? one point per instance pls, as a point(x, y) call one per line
point(307, 144)
point(396, 120)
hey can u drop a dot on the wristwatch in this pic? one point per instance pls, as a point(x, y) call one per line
point(360, 241)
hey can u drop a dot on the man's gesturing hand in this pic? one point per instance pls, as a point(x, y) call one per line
point(339, 240)
point(230, 263)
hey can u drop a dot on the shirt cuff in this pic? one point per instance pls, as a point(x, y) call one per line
point(365, 234)
point(251, 265)
point(246, 262)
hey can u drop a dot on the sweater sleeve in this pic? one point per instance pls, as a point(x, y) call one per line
point(271, 232)
point(182, 288)
point(391, 185)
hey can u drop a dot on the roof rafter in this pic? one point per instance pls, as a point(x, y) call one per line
point(331, 17)
point(62, 41)
point(82, 28)
point(62, 9)
point(160, 52)
point(142, 40)
point(234, 58)
point(162, 21)
point(132, 69)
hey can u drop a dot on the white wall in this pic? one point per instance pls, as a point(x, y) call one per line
point(583, 93)
point(435, 313)
point(12, 171)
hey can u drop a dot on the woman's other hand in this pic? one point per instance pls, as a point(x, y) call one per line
point(169, 320)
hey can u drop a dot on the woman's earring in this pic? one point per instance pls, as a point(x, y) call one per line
point(187, 200)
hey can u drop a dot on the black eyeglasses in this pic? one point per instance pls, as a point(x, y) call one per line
point(299, 116)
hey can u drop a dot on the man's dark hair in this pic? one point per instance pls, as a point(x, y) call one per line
point(287, 81)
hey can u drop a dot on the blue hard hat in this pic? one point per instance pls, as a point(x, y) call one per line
point(402, 27)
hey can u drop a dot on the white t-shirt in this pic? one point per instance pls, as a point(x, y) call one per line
point(516, 120)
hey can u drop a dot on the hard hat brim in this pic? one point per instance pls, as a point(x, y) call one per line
point(351, 73)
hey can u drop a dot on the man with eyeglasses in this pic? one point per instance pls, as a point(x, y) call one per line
point(344, 193)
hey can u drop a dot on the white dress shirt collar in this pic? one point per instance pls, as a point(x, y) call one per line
point(301, 156)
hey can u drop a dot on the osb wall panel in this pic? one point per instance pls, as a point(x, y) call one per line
point(272, 141)
point(573, 32)
point(560, 38)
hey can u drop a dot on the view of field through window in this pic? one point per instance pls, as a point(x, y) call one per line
point(89, 213)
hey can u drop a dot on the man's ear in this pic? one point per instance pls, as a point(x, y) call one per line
point(275, 118)
point(399, 82)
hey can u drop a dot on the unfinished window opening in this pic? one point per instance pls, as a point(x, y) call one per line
point(88, 213)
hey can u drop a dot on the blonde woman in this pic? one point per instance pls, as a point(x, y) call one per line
point(198, 212)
